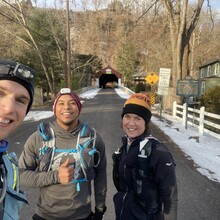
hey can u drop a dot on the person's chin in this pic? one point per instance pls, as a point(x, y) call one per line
point(68, 118)
point(6, 131)
point(68, 121)
point(132, 134)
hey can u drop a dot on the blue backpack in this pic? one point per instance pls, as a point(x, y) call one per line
point(11, 198)
point(83, 153)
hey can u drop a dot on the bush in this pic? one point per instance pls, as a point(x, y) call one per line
point(211, 100)
point(140, 87)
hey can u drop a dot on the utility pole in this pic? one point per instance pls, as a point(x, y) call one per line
point(68, 45)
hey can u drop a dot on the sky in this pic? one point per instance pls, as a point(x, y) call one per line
point(215, 4)
point(205, 153)
point(73, 4)
point(77, 3)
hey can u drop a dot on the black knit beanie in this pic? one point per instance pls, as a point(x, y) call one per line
point(6, 73)
point(138, 104)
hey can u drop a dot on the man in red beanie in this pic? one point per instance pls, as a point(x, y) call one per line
point(144, 169)
point(62, 158)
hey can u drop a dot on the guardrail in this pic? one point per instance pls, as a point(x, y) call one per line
point(199, 118)
point(127, 90)
point(84, 89)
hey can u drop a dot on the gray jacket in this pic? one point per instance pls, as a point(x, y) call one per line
point(62, 201)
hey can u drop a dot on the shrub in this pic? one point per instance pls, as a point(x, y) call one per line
point(140, 87)
point(211, 100)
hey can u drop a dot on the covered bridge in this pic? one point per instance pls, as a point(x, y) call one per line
point(108, 75)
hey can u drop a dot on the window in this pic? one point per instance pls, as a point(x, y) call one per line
point(216, 69)
point(202, 73)
point(203, 87)
point(209, 71)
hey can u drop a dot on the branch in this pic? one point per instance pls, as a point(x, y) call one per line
point(135, 23)
point(30, 45)
point(195, 17)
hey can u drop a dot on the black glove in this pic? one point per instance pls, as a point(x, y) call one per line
point(98, 215)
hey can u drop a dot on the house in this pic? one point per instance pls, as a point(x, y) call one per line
point(209, 75)
point(139, 78)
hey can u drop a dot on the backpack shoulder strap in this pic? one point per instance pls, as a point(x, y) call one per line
point(3, 179)
point(48, 144)
point(13, 199)
point(11, 167)
point(45, 131)
point(146, 145)
point(86, 131)
point(47, 135)
point(87, 137)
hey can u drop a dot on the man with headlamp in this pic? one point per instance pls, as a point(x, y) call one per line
point(16, 98)
point(65, 159)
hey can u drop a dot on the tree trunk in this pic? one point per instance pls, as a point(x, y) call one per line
point(180, 33)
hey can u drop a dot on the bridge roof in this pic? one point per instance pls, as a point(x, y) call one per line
point(107, 70)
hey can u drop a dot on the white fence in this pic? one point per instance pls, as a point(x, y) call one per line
point(198, 118)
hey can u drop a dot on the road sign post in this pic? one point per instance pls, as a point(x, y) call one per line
point(187, 88)
point(163, 85)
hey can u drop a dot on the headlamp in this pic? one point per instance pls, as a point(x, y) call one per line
point(23, 72)
point(24, 75)
point(18, 70)
point(65, 91)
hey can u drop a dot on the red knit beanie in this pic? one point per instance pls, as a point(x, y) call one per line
point(67, 91)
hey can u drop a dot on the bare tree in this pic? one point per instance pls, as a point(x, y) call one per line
point(182, 25)
point(19, 16)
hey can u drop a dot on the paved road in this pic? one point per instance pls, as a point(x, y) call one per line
point(199, 198)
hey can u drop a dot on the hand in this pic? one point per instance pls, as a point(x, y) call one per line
point(65, 172)
point(98, 215)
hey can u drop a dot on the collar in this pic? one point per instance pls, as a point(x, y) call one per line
point(3, 145)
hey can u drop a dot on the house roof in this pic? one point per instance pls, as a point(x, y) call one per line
point(209, 63)
point(103, 71)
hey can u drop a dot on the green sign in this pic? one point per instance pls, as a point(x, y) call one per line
point(187, 87)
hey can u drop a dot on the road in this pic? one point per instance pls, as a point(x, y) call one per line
point(199, 198)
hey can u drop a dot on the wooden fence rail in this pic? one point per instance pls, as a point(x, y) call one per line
point(204, 121)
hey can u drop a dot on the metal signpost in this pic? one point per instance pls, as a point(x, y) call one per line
point(152, 78)
point(187, 88)
point(163, 85)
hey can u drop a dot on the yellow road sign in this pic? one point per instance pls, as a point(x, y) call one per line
point(152, 78)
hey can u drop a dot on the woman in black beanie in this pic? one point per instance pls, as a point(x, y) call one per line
point(143, 168)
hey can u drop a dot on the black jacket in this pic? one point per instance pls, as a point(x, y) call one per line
point(147, 186)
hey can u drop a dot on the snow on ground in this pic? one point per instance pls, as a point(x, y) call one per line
point(203, 150)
